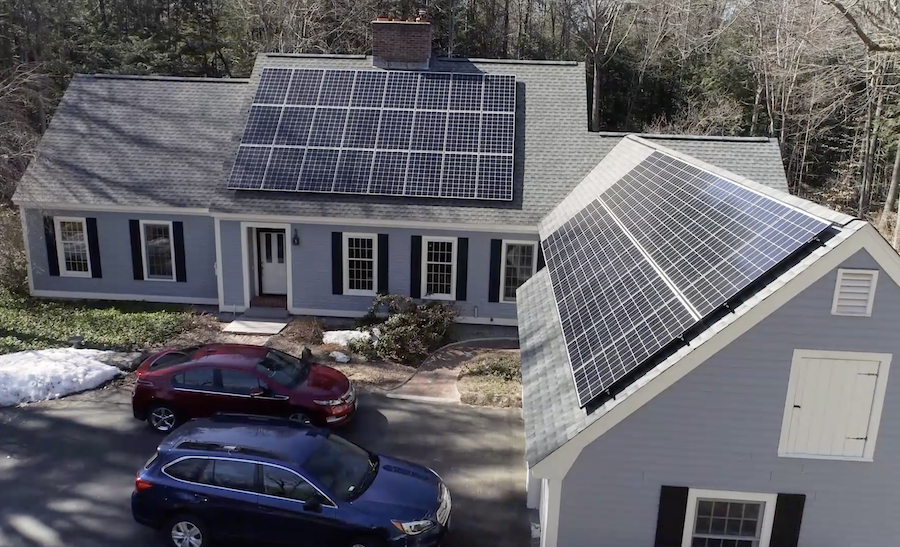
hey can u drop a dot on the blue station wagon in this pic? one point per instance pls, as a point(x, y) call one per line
point(270, 480)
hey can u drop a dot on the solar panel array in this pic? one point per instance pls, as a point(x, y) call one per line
point(661, 249)
point(380, 132)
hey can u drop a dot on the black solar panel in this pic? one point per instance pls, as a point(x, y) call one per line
point(661, 249)
point(423, 133)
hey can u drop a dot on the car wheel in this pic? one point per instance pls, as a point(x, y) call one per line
point(366, 542)
point(187, 531)
point(162, 418)
point(300, 417)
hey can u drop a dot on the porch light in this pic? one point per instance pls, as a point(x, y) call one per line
point(296, 239)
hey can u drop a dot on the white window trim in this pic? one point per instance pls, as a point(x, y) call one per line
point(505, 243)
point(837, 291)
point(877, 401)
point(60, 251)
point(453, 256)
point(144, 249)
point(768, 516)
point(346, 264)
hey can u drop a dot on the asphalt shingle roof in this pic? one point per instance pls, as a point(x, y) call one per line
point(171, 142)
point(135, 141)
point(550, 403)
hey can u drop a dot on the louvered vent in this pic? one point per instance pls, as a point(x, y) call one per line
point(854, 292)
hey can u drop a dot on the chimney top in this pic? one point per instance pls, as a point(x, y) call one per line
point(399, 44)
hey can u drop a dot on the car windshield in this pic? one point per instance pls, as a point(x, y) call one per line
point(284, 369)
point(343, 468)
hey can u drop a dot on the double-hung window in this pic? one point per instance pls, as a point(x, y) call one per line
point(72, 247)
point(158, 248)
point(360, 264)
point(439, 268)
point(728, 519)
point(519, 261)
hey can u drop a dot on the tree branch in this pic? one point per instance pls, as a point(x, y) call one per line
point(871, 45)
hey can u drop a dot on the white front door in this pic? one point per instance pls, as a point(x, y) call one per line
point(272, 264)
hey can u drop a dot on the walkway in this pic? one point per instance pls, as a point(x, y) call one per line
point(436, 378)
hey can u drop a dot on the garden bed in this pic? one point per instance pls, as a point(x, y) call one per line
point(493, 379)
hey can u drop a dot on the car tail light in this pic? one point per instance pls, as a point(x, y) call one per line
point(140, 484)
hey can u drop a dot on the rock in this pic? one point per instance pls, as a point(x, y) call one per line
point(339, 357)
point(123, 360)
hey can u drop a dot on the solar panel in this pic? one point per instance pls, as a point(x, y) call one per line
point(424, 134)
point(660, 250)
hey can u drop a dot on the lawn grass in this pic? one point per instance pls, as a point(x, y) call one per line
point(27, 323)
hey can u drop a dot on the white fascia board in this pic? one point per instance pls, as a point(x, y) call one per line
point(385, 223)
point(148, 210)
point(822, 261)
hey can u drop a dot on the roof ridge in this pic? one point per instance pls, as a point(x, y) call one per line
point(317, 55)
point(674, 137)
point(169, 78)
point(506, 61)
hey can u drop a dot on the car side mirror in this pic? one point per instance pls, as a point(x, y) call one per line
point(257, 392)
point(306, 354)
point(313, 506)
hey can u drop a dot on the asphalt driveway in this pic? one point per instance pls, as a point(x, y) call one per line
point(67, 467)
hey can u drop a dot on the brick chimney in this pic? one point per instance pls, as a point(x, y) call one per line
point(401, 44)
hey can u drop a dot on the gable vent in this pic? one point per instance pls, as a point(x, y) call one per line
point(854, 292)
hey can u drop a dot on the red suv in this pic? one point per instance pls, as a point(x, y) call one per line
point(176, 385)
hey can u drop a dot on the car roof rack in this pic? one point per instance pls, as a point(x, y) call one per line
point(260, 419)
point(229, 449)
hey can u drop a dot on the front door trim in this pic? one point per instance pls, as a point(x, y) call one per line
point(258, 251)
point(246, 258)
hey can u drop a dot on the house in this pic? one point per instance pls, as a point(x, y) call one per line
point(185, 190)
point(722, 377)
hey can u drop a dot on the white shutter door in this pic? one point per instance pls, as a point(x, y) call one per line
point(854, 292)
point(860, 411)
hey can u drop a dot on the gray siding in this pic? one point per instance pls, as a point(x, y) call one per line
point(115, 253)
point(311, 269)
point(718, 428)
point(232, 264)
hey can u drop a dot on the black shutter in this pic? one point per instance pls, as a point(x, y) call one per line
point(93, 247)
point(788, 514)
point(50, 240)
point(415, 268)
point(540, 258)
point(670, 520)
point(137, 262)
point(462, 268)
point(337, 263)
point(180, 266)
point(494, 276)
point(383, 261)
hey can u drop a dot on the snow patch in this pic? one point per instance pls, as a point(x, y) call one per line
point(344, 337)
point(339, 357)
point(30, 376)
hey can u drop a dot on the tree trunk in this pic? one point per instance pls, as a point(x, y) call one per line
point(757, 97)
point(595, 97)
point(892, 191)
point(870, 158)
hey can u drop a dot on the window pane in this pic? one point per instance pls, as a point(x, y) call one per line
point(232, 474)
point(159, 251)
point(439, 268)
point(268, 239)
point(727, 523)
point(237, 382)
point(196, 378)
point(284, 484)
point(361, 263)
point(279, 238)
point(517, 269)
point(187, 470)
point(74, 244)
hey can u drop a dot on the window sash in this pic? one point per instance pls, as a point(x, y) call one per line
point(158, 248)
point(360, 264)
point(705, 505)
point(72, 247)
point(439, 268)
point(519, 261)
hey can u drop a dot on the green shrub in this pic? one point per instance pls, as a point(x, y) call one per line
point(503, 367)
point(13, 277)
point(411, 330)
point(364, 347)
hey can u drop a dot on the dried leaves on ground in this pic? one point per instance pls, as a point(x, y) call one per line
point(493, 378)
